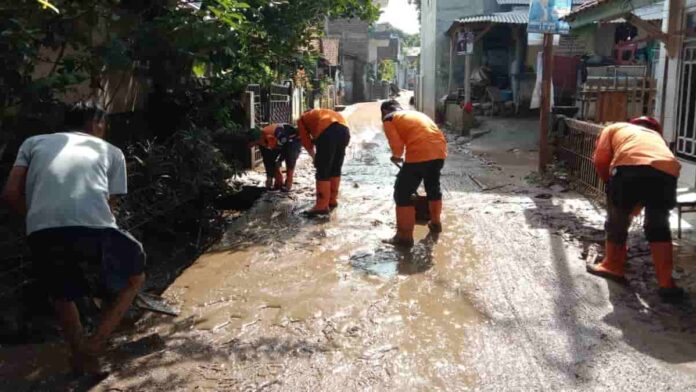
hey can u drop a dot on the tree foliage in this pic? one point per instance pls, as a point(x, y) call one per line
point(234, 42)
point(386, 71)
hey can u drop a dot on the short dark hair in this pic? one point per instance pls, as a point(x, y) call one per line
point(390, 106)
point(82, 112)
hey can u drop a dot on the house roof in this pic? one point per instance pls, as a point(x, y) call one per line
point(649, 12)
point(526, 2)
point(594, 6)
point(512, 17)
point(330, 50)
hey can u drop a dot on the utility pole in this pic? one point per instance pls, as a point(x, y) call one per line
point(545, 109)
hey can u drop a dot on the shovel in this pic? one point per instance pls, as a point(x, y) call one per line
point(421, 204)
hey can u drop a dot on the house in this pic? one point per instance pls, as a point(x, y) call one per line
point(352, 35)
point(673, 66)
point(436, 19)
point(386, 45)
point(353, 40)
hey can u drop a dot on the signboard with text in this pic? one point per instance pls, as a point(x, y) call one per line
point(545, 15)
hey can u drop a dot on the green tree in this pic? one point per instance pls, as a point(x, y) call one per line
point(387, 70)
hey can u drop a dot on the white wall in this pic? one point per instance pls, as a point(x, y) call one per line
point(426, 103)
point(436, 18)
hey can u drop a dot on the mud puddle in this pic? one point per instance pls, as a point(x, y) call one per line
point(323, 303)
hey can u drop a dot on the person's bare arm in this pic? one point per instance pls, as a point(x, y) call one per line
point(13, 195)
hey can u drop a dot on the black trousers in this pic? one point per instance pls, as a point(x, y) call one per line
point(409, 179)
point(331, 148)
point(272, 159)
point(631, 186)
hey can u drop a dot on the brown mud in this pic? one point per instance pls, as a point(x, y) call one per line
point(498, 301)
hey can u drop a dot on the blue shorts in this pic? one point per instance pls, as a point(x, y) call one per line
point(74, 262)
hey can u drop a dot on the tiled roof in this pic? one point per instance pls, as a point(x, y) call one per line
point(329, 50)
point(514, 17)
point(526, 2)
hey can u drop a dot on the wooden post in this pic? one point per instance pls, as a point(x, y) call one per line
point(467, 76)
point(545, 110)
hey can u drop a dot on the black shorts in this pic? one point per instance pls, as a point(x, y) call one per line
point(409, 179)
point(270, 160)
point(631, 186)
point(73, 262)
point(331, 148)
point(289, 153)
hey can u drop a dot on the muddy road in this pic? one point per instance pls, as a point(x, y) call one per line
point(499, 301)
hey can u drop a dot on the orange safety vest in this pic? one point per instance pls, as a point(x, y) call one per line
point(624, 144)
point(268, 138)
point(314, 122)
point(417, 134)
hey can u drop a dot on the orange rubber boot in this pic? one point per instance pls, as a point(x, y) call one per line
point(405, 222)
point(335, 185)
point(435, 224)
point(322, 204)
point(612, 266)
point(663, 260)
point(289, 179)
point(278, 180)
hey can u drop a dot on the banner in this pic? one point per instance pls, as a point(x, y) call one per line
point(545, 15)
point(465, 43)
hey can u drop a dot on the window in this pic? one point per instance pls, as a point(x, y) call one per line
point(686, 104)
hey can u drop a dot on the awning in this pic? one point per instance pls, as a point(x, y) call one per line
point(606, 10)
point(601, 10)
point(648, 13)
point(526, 2)
point(512, 17)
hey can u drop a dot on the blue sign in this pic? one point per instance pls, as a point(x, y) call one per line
point(545, 15)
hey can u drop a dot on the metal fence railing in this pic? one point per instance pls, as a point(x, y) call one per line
point(575, 150)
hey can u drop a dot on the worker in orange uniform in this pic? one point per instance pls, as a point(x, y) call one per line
point(640, 171)
point(426, 149)
point(278, 143)
point(327, 131)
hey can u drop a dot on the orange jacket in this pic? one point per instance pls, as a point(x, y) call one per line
point(314, 122)
point(624, 144)
point(268, 138)
point(417, 134)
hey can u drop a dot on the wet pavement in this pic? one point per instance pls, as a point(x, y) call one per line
point(498, 301)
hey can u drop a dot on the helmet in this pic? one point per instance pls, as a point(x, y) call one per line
point(647, 122)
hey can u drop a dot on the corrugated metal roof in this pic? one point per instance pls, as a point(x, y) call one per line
point(514, 17)
point(526, 2)
point(649, 12)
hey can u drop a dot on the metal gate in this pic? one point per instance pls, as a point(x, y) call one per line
point(576, 148)
point(686, 105)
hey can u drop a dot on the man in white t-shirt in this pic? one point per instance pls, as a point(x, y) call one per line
point(65, 183)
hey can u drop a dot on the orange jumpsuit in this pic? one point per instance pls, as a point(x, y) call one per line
point(314, 122)
point(624, 144)
point(417, 134)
